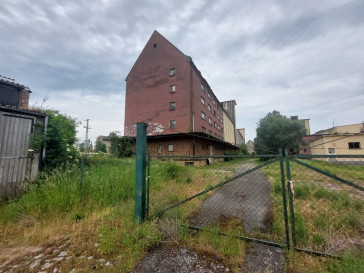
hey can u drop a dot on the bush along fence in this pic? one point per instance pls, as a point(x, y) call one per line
point(313, 204)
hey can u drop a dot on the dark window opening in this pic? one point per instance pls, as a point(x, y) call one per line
point(172, 124)
point(354, 145)
point(203, 129)
point(155, 45)
point(172, 106)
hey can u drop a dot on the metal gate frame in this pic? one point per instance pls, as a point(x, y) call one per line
point(295, 158)
point(272, 158)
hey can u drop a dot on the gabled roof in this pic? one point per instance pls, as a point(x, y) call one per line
point(188, 59)
point(13, 83)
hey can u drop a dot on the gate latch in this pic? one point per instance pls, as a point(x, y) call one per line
point(291, 186)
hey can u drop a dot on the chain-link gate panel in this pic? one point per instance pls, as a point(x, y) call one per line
point(328, 204)
point(242, 196)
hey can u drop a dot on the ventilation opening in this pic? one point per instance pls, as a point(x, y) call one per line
point(155, 45)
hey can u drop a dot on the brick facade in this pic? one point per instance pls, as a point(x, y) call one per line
point(24, 99)
point(163, 75)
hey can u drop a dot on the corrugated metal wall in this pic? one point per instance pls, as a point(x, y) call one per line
point(15, 166)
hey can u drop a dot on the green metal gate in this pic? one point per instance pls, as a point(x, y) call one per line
point(326, 197)
point(310, 203)
point(238, 196)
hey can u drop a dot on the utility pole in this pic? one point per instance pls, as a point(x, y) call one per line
point(86, 139)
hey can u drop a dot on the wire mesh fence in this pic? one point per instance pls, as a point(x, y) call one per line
point(241, 196)
point(328, 203)
point(248, 196)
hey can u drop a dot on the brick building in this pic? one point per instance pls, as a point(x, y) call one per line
point(166, 90)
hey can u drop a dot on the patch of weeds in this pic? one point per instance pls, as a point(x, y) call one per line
point(277, 187)
point(321, 193)
point(352, 265)
point(321, 221)
point(172, 199)
point(343, 201)
point(301, 228)
point(277, 227)
point(351, 220)
point(318, 239)
point(358, 204)
point(301, 191)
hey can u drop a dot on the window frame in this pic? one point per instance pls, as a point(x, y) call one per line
point(203, 115)
point(353, 144)
point(172, 72)
point(203, 101)
point(172, 88)
point(170, 148)
point(172, 106)
point(172, 124)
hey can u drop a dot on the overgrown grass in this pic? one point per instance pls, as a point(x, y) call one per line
point(328, 214)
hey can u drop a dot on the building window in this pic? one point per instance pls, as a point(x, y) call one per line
point(210, 132)
point(203, 101)
point(202, 87)
point(215, 124)
point(213, 101)
point(208, 94)
point(332, 151)
point(205, 146)
point(203, 129)
point(155, 45)
point(172, 89)
point(172, 72)
point(170, 147)
point(214, 113)
point(354, 145)
point(172, 124)
point(209, 107)
point(210, 120)
point(172, 106)
point(203, 115)
point(218, 127)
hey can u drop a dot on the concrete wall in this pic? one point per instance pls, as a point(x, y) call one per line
point(321, 146)
point(229, 129)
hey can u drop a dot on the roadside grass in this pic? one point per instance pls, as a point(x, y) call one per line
point(100, 220)
point(329, 216)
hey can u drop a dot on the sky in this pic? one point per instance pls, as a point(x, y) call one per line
point(303, 58)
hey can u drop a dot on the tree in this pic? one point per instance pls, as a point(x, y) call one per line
point(120, 146)
point(276, 131)
point(59, 140)
point(100, 147)
point(243, 149)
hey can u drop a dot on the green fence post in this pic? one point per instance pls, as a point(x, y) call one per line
point(290, 196)
point(140, 181)
point(284, 196)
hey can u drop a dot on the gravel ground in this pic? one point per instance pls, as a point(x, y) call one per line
point(168, 258)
